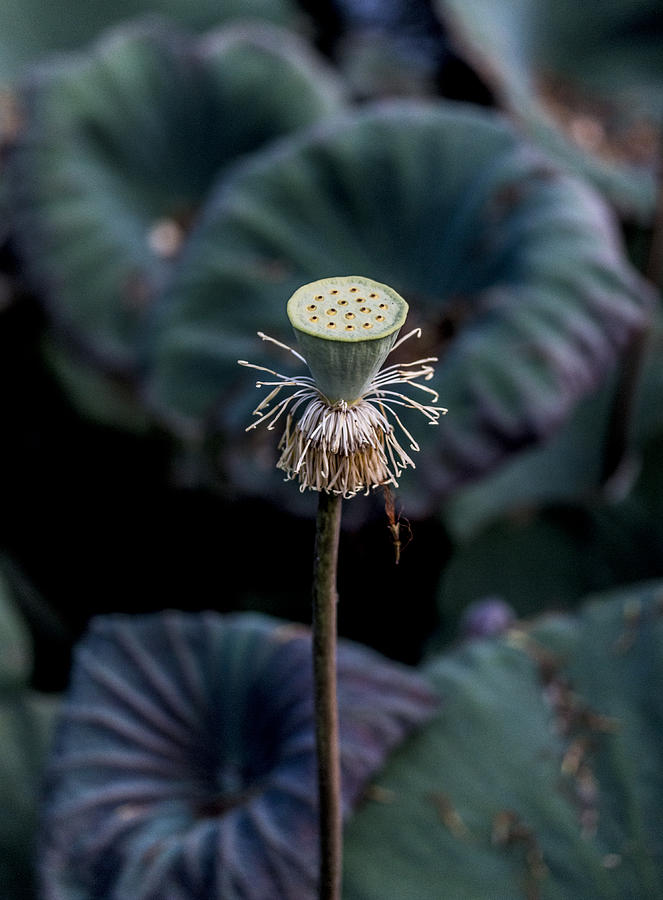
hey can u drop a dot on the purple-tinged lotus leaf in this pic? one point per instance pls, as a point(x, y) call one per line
point(184, 763)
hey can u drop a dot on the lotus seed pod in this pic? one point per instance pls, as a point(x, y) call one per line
point(345, 326)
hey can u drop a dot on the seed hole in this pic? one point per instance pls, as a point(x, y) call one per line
point(372, 296)
point(379, 318)
point(349, 315)
point(349, 328)
point(331, 311)
point(365, 309)
point(331, 324)
point(313, 319)
point(311, 308)
point(318, 297)
point(367, 325)
point(342, 302)
point(383, 306)
point(353, 290)
point(334, 291)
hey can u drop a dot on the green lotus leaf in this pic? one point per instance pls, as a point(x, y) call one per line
point(551, 558)
point(29, 28)
point(26, 724)
point(15, 644)
point(583, 78)
point(541, 775)
point(648, 419)
point(563, 470)
point(544, 530)
point(26, 719)
point(648, 490)
point(569, 467)
point(96, 396)
point(512, 268)
point(118, 151)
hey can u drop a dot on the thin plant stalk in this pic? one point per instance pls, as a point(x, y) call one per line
point(325, 598)
point(340, 439)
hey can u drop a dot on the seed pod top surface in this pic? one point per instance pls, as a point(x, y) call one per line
point(347, 308)
point(352, 310)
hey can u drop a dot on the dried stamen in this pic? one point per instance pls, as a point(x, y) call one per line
point(345, 448)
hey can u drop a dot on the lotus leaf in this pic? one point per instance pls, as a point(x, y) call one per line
point(513, 269)
point(184, 764)
point(15, 646)
point(569, 467)
point(118, 150)
point(565, 469)
point(540, 776)
point(29, 28)
point(26, 719)
point(648, 420)
point(584, 78)
point(553, 557)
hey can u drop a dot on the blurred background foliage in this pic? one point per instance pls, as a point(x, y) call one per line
point(170, 172)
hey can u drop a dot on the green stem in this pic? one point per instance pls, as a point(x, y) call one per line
point(328, 526)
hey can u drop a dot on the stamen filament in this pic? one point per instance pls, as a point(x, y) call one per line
point(266, 337)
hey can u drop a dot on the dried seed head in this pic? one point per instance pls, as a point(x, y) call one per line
point(339, 436)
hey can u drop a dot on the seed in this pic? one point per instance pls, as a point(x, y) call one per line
point(331, 311)
point(382, 305)
point(353, 290)
point(379, 318)
point(331, 324)
point(364, 309)
point(342, 302)
point(349, 316)
point(311, 308)
point(372, 296)
point(367, 325)
point(349, 328)
point(334, 291)
point(313, 319)
point(319, 297)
